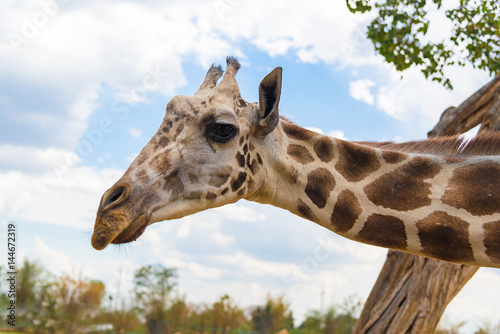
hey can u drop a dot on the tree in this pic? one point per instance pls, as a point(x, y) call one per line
point(153, 284)
point(177, 315)
point(274, 315)
point(123, 319)
point(338, 318)
point(399, 34)
point(412, 292)
point(77, 302)
point(225, 314)
point(31, 285)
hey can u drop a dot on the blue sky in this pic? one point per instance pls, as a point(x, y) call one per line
point(83, 87)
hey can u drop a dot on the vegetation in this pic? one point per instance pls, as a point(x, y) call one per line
point(272, 316)
point(399, 32)
point(65, 304)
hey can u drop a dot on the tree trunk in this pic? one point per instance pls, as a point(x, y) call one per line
point(412, 292)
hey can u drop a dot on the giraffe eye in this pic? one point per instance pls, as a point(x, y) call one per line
point(221, 132)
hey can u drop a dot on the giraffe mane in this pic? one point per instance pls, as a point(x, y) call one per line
point(481, 145)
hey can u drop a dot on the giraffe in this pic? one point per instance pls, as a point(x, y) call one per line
point(438, 198)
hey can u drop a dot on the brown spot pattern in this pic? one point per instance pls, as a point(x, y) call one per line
point(320, 183)
point(296, 132)
point(238, 182)
point(241, 159)
point(194, 195)
point(405, 188)
point(143, 176)
point(193, 177)
point(259, 159)
point(305, 211)
point(141, 158)
point(345, 212)
point(492, 240)
point(224, 191)
point(392, 157)
point(174, 184)
point(385, 231)
point(168, 126)
point(356, 162)
point(161, 162)
point(211, 196)
point(445, 237)
point(162, 141)
point(324, 149)
point(299, 153)
point(220, 176)
point(254, 166)
point(178, 131)
point(475, 189)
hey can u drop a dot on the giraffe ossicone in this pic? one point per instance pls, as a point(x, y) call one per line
point(437, 198)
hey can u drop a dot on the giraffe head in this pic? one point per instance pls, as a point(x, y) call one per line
point(205, 154)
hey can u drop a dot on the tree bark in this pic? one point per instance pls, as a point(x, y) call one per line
point(412, 292)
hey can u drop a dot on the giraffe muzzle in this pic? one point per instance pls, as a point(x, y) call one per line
point(114, 229)
point(117, 222)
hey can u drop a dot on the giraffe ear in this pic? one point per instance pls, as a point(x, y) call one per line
point(269, 98)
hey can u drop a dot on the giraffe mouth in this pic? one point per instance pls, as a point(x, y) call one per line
point(113, 229)
point(133, 231)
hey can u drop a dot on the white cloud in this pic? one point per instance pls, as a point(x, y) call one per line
point(392, 103)
point(477, 301)
point(339, 134)
point(134, 132)
point(137, 48)
point(133, 48)
point(412, 97)
point(50, 258)
point(256, 22)
point(70, 200)
point(33, 159)
point(317, 130)
point(239, 212)
point(360, 90)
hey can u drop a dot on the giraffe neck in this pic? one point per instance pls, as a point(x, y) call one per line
point(444, 207)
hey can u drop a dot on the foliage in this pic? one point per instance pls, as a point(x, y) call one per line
point(153, 284)
point(77, 302)
point(74, 305)
point(123, 320)
point(398, 33)
point(338, 319)
point(274, 315)
point(32, 284)
point(488, 327)
point(449, 328)
point(222, 314)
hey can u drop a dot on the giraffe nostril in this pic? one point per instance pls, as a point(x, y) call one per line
point(114, 194)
